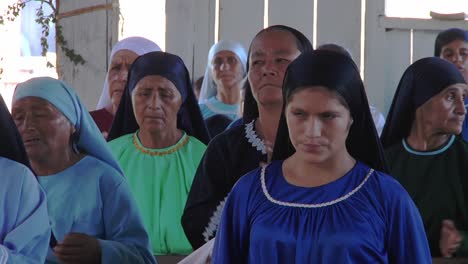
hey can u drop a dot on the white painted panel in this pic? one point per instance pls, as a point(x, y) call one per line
point(298, 14)
point(180, 29)
point(91, 35)
point(423, 43)
point(397, 51)
point(374, 66)
point(204, 21)
point(339, 21)
point(240, 20)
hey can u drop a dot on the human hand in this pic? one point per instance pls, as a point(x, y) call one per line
point(78, 248)
point(450, 238)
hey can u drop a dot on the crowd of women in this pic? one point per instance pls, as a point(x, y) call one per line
point(278, 158)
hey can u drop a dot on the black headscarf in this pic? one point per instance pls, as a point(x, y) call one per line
point(250, 105)
point(339, 74)
point(11, 143)
point(447, 36)
point(421, 81)
point(171, 67)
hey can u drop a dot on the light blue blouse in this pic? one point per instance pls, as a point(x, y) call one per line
point(213, 107)
point(24, 223)
point(93, 198)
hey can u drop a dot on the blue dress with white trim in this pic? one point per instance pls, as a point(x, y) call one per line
point(363, 217)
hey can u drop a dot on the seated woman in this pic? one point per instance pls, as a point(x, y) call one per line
point(158, 137)
point(241, 149)
point(92, 212)
point(224, 77)
point(24, 222)
point(320, 200)
point(122, 56)
point(425, 154)
point(452, 46)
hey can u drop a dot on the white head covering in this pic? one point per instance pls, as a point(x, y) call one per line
point(140, 46)
point(208, 88)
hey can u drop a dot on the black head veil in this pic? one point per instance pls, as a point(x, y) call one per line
point(421, 81)
point(171, 67)
point(12, 145)
point(339, 74)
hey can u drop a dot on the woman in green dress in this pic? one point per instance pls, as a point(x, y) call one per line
point(425, 153)
point(158, 137)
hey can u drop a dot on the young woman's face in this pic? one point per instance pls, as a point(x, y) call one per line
point(318, 124)
point(270, 54)
point(456, 52)
point(156, 102)
point(445, 112)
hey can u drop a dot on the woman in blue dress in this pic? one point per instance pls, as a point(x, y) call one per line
point(325, 198)
point(24, 222)
point(92, 212)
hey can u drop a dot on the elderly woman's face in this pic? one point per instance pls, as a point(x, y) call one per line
point(270, 54)
point(156, 102)
point(227, 69)
point(456, 52)
point(118, 72)
point(445, 112)
point(318, 124)
point(44, 129)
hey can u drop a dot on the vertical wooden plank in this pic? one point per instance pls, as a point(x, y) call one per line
point(423, 43)
point(148, 21)
point(179, 29)
point(374, 60)
point(339, 21)
point(299, 15)
point(397, 50)
point(112, 29)
point(240, 20)
point(88, 35)
point(204, 21)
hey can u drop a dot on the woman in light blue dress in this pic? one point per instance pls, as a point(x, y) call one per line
point(224, 77)
point(93, 215)
point(24, 222)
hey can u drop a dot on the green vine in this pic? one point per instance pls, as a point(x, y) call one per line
point(13, 11)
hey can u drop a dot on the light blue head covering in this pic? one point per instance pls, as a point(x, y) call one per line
point(208, 88)
point(88, 137)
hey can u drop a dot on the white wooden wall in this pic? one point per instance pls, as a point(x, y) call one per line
point(389, 44)
point(91, 35)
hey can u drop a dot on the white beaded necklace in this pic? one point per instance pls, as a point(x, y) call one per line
point(342, 198)
point(253, 138)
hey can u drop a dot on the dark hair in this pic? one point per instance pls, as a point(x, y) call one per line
point(198, 83)
point(340, 98)
point(447, 36)
point(171, 67)
point(335, 48)
point(421, 81)
point(303, 45)
point(339, 74)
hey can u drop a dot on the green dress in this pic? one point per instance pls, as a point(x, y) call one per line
point(438, 183)
point(160, 180)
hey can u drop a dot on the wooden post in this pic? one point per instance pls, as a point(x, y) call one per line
point(91, 33)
